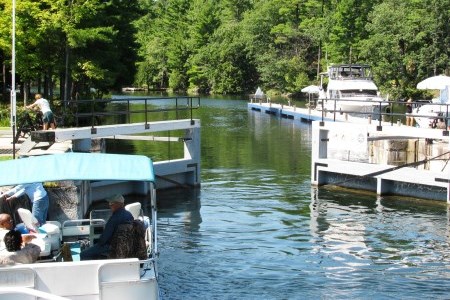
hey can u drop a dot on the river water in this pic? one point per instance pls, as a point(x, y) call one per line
point(256, 229)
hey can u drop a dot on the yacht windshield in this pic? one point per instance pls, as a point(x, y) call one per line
point(350, 72)
point(358, 93)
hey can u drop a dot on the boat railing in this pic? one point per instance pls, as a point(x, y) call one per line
point(387, 110)
point(126, 110)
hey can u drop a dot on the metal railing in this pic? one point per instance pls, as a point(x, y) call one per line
point(93, 112)
point(384, 110)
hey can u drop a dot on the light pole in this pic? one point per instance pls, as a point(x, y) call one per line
point(13, 78)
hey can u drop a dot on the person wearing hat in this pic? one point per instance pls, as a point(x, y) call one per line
point(119, 216)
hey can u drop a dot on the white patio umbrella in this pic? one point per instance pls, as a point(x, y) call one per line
point(434, 83)
point(311, 89)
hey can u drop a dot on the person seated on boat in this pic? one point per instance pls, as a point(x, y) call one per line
point(11, 207)
point(14, 241)
point(119, 216)
point(38, 195)
point(6, 224)
point(438, 124)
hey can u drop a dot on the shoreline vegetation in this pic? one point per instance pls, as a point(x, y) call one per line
point(220, 47)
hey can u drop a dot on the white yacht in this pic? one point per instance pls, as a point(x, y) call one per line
point(350, 89)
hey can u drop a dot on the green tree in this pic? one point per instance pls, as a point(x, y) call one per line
point(279, 45)
point(220, 62)
point(164, 44)
point(401, 44)
point(92, 39)
point(349, 19)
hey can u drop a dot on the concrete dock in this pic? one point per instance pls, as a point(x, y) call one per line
point(303, 114)
point(177, 172)
point(383, 157)
point(343, 155)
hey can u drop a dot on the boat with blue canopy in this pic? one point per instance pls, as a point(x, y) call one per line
point(78, 184)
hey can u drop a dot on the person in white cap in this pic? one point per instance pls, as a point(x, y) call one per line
point(119, 216)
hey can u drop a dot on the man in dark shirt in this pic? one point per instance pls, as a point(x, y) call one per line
point(119, 216)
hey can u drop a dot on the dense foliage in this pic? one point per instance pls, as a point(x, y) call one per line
point(222, 46)
point(79, 45)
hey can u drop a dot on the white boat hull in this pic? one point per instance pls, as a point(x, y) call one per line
point(101, 279)
point(353, 105)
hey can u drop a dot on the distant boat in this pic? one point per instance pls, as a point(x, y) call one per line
point(132, 89)
point(350, 89)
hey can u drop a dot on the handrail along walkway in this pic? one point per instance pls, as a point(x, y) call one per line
point(100, 108)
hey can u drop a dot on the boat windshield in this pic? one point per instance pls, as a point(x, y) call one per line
point(350, 72)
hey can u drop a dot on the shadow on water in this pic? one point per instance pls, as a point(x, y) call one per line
point(174, 203)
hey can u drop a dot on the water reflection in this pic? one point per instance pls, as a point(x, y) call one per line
point(257, 230)
point(181, 204)
point(364, 237)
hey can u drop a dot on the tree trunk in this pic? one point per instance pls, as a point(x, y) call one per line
point(4, 86)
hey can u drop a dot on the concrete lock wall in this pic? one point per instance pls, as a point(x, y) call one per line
point(400, 161)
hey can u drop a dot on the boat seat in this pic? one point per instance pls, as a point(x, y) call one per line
point(97, 226)
point(138, 214)
point(129, 241)
point(28, 219)
point(74, 230)
point(48, 235)
point(135, 209)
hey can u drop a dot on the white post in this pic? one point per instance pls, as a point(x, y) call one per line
point(448, 178)
point(13, 76)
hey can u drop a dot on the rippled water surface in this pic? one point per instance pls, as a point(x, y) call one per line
point(257, 230)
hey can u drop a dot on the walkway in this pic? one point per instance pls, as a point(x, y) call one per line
point(6, 146)
point(26, 147)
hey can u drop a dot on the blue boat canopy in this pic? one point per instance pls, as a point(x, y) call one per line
point(76, 166)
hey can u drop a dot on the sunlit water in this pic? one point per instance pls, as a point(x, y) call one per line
point(257, 229)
